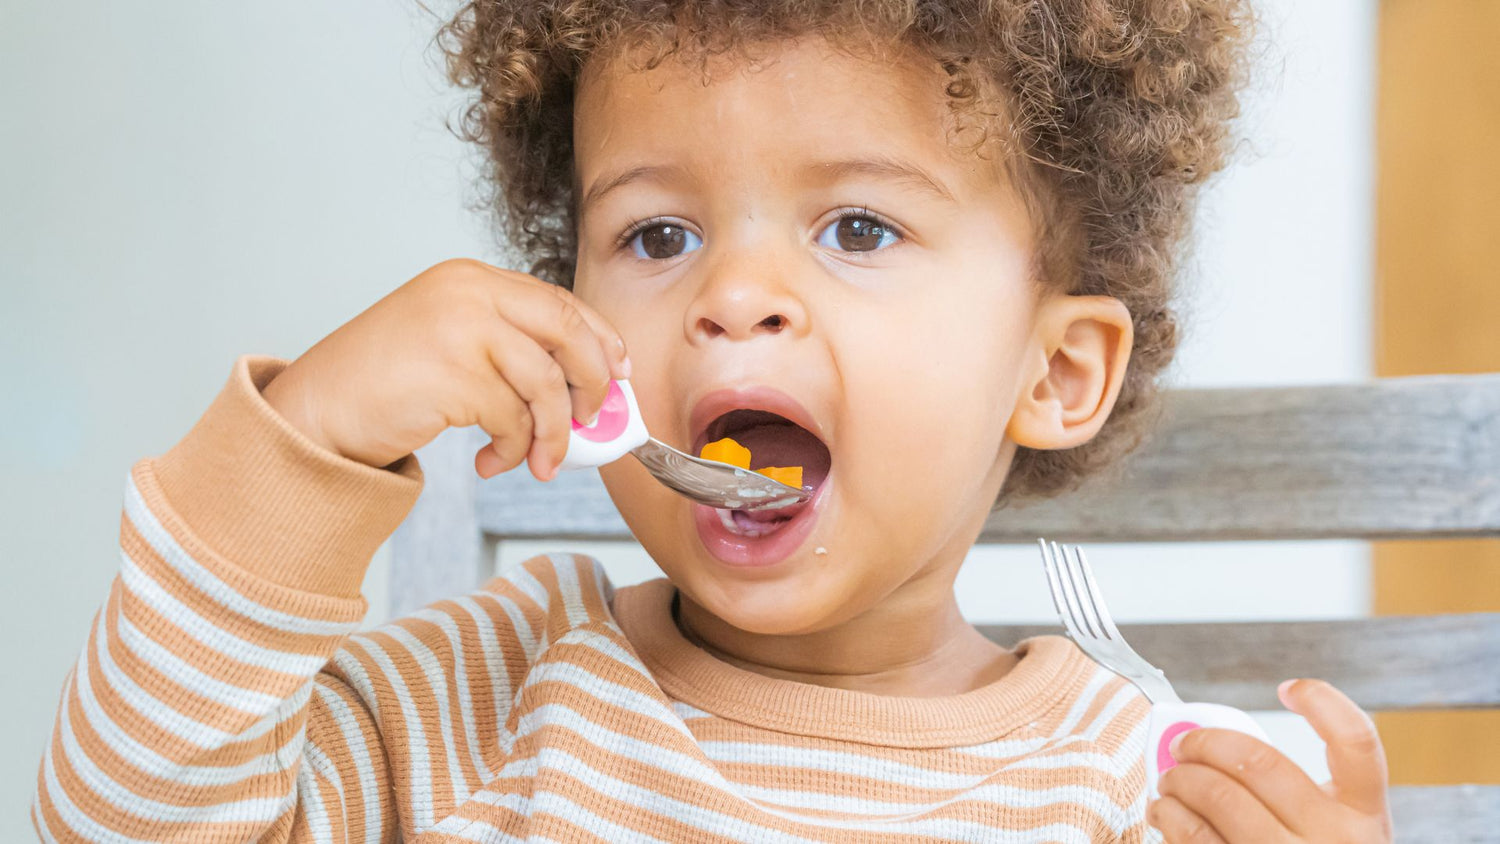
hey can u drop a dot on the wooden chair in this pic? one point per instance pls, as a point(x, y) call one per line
point(1397, 458)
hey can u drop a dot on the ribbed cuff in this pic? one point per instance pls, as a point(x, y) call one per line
point(267, 499)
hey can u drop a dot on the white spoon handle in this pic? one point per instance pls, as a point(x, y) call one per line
point(618, 429)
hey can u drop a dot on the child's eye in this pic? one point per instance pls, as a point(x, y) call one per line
point(858, 231)
point(658, 240)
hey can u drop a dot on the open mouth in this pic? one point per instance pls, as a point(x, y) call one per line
point(773, 441)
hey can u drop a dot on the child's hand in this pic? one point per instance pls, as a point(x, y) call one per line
point(1231, 787)
point(464, 343)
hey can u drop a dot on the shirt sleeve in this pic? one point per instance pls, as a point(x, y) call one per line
point(196, 710)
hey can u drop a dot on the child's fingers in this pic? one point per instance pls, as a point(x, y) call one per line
point(1277, 782)
point(1179, 823)
point(540, 382)
point(609, 340)
point(507, 420)
point(1226, 803)
point(555, 321)
point(1356, 758)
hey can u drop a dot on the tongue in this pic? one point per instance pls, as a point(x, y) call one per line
point(784, 444)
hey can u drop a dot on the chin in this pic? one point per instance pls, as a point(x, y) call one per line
point(795, 605)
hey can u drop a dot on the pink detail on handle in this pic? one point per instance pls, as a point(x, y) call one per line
point(1164, 759)
point(613, 417)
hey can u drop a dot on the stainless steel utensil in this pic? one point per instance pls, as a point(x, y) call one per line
point(1081, 607)
point(619, 429)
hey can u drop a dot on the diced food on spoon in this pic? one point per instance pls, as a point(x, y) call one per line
point(727, 450)
point(789, 475)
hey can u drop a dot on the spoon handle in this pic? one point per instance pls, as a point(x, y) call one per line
point(618, 429)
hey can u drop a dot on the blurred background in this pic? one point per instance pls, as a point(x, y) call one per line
point(184, 183)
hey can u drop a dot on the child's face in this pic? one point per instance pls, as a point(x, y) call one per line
point(901, 337)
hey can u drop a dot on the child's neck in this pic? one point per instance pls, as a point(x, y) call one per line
point(924, 654)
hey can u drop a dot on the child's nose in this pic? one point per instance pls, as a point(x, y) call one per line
point(772, 324)
point(740, 301)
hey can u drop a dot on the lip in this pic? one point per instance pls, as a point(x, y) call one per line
point(751, 552)
point(769, 399)
point(747, 552)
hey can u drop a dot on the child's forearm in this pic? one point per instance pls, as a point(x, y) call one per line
point(194, 704)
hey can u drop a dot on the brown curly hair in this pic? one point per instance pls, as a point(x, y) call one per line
point(1111, 113)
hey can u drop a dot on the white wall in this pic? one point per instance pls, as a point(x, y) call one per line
point(184, 183)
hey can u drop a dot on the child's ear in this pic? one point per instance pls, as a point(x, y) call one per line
point(1073, 372)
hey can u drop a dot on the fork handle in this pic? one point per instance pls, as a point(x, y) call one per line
point(1168, 720)
point(618, 429)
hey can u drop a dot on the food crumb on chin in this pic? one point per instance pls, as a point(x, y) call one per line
point(820, 551)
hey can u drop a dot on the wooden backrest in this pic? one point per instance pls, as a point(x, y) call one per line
point(1396, 458)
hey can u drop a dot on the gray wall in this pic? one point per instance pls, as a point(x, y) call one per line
point(183, 183)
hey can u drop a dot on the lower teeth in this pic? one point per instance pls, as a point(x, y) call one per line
point(750, 529)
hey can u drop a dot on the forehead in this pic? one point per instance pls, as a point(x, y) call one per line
point(783, 107)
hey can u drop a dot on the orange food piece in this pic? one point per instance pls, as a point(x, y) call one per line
point(789, 475)
point(727, 451)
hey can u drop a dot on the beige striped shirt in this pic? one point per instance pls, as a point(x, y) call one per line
point(224, 694)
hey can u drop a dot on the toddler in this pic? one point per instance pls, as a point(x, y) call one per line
point(920, 249)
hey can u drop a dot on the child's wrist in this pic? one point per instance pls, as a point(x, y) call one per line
point(296, 406)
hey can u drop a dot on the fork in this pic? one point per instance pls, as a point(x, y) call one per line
point(1081, 607)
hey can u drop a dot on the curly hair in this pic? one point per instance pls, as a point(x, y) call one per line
point(1111, 112)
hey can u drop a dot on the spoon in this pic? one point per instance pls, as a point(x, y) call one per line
point(620, 430)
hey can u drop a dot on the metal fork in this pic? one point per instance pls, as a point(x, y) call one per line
point(1076, 597)
point(1081, 607)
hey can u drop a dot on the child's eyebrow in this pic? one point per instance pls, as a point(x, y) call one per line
point(893, 169)
point(880, 167)
point(651, 172)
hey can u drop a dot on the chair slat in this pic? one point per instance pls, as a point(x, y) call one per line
point(574, 505)
point(1383, 663)
point(1445, 814)
point(1393, 458)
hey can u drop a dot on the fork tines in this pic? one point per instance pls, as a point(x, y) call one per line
point(1080, 605)
point(1074, 592)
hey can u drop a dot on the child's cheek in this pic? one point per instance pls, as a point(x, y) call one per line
point(924, 423)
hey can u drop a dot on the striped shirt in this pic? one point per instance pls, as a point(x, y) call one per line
point(224, 694)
